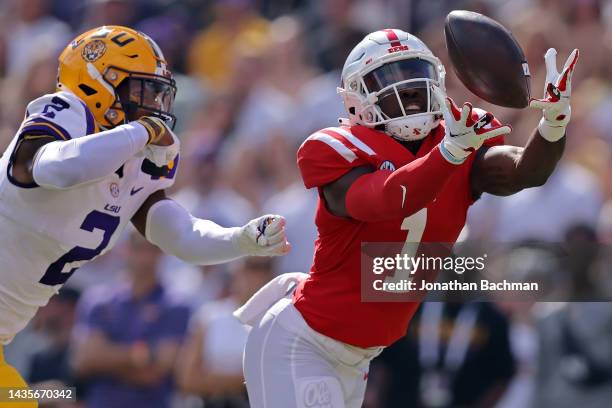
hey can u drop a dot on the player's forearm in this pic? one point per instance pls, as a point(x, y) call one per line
point(538, 160)
point(380, 196)
point(66, 164)
point(546, 145)
point(197, 241)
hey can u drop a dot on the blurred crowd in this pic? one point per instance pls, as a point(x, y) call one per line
point(255, 78)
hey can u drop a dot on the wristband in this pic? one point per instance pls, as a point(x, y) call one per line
point(549, 132)
point(450, 157)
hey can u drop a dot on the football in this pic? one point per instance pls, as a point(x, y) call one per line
point(487, 59)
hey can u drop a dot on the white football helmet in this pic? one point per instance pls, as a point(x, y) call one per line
point(387, 80)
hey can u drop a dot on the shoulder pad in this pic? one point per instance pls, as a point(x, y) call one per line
point(62, 115)
point(328, 154)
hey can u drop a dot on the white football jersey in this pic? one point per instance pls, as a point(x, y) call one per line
point(47, 234)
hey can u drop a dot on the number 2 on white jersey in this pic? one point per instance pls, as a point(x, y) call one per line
point(60, 270)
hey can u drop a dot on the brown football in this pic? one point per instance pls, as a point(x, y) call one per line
point(487, 59)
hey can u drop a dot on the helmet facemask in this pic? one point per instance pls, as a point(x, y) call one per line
point(141, 94)
point(399, 96)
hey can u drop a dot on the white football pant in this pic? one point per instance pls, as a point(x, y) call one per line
point(289, 365)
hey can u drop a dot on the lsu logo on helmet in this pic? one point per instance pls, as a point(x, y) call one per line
point(120, 74)
point(93, 50)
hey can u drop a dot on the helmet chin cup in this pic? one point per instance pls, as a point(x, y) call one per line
point(406, 128)
point(414, 128)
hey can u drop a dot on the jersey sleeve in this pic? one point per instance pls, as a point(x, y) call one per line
point(61, 115)
point(326, 156)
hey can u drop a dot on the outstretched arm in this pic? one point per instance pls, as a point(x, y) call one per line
point(368, 195)
point(505, 170)
point(175, 231)
point(70, 163)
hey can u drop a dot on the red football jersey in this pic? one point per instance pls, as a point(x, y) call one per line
point(330, 299)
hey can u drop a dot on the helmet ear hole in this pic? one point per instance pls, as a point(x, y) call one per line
point(87, 90)
point(352, 110)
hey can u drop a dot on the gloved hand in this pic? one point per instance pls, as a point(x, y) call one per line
point(555, 105)
point(163, 145)
point(464, 134)
point(264, 236)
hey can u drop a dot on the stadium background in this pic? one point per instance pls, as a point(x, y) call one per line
point(255, 78)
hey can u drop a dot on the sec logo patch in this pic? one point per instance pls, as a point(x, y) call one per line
point(114, 189)
point(387, 165)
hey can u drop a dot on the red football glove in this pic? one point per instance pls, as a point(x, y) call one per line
point(557, 91)
point(464, 135)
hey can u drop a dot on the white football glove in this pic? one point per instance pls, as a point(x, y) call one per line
point(162, 155)
point(264, 236)
point(557, 91)
point(463, 134)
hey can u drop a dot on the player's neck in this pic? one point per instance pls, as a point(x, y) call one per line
point(413, 145)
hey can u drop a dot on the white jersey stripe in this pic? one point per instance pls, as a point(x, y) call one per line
point(335, 144)
point(353, 139)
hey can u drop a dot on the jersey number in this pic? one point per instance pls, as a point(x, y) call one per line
point(415, 225)
point(57, 104)
point(60, 270)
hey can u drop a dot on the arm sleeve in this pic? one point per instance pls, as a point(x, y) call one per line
point(201, 242)
point(70, 163)
point(384, 195)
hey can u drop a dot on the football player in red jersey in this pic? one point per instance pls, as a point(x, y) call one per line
point(405, 166)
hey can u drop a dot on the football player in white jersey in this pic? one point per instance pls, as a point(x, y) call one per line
point(89, 159)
